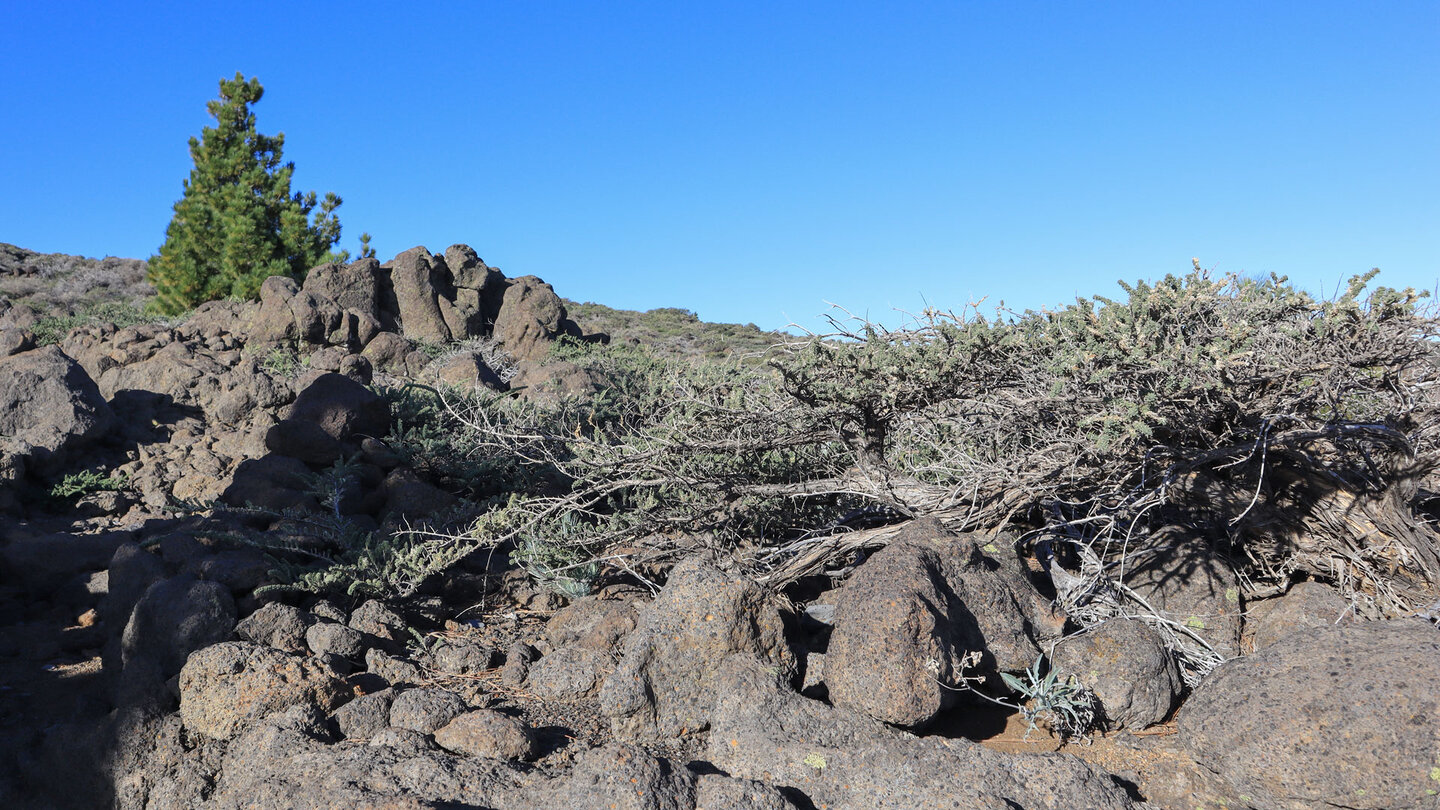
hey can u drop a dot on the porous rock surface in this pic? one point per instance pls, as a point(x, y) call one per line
point(1346, 716)
point(228, 687)
point(664, 684)
point(1127, 666)
point(907, 618)
point(843, 760)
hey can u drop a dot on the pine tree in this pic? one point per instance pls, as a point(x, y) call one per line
point(238, 224)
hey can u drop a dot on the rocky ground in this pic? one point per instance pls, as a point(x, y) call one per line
point(139, 668)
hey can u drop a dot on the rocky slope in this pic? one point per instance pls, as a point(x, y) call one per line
point(142, 669)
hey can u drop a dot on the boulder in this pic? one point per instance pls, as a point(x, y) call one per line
point(425, 710)
point(171, 620)
point(479, 289)
point(228, 687)
point(305, 441)
point(1191, 583)
point(387, 352)
point(49, 407)
point(277, 625)
point(345, 409)
point(275, 768)
point(467, 370)
point(908, 617)
point(842, 760)
point(272, 482)
point(1127, 666)
point(593, 623)
point(624, 777)
point(417, 290)
point(487, 733)
point(664, 684)
point(1344, 716)
point(531, 316)
point(1307, 606)
point(354, 286)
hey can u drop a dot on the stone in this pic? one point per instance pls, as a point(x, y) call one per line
point(228, 687)
point(663, 685)
point(842, 760)
point(531, 317)
point(375, 618)
point(1191, 583)
point(274, 768)
point(908, 617)
point(171, 620)
point(354, 286)
point(425, 710)
point(329, 638)
point(1345, 716)
point(343, 408)
point(417, 297)
point(462, 657)
point(392, 670)
point(277, 625)
point(467, 370)
point(592, 622)
point(387, 352)
point(273, 482)
point(569, 673)
point(305, 441)
point(51, 407)
point(365, 716)
point(1127, 666)
point(1306, 607)
point(487, 733)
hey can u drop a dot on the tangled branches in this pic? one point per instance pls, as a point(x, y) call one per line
point(1299, 435)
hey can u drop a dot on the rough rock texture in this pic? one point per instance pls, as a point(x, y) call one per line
point(592, 622)
point(174, 618)
point(664, 683)
point(342, 407)
point(1347, 717)
point(1128, 668)
point(325, 638)
point(274, 768)
point(905, 620)
point(50, 409)
point(842, 760)
point(1306, 607)
point(354, 286)
point(1181, 576)
point(531, 316)
point(568, 673)
point(414, 279)
point(624, 777)
point(375, 619)
point(228, 687)
point(487, 733)
point(365, 716)
point(425, 710)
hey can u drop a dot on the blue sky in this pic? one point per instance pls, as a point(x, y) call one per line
point(753, 161)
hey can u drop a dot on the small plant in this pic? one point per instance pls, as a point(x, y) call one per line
point(284, 361)
point(78, 485)
point(1064, 705)
point(53, 328)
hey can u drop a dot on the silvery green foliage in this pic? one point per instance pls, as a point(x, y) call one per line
point(1065, 705)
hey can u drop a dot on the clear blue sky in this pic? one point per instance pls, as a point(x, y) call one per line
point(753, 160)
